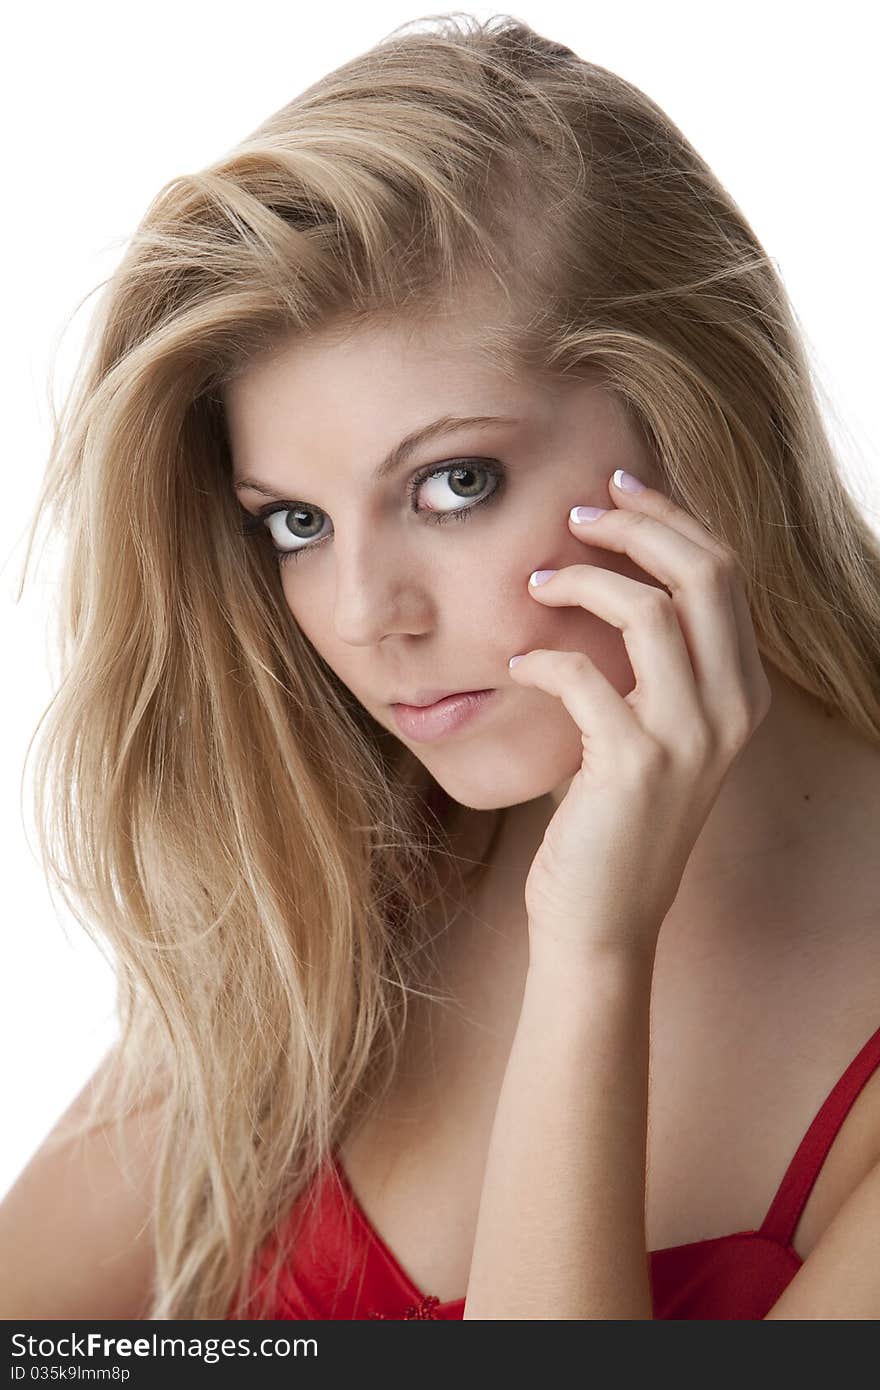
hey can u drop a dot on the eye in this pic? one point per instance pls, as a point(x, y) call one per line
point(290, 521)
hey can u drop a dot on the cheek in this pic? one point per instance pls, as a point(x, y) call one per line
point(310, 616)
point(522, 623)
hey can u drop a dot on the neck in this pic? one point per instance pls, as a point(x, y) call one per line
point(787, 854)
point(791, 836)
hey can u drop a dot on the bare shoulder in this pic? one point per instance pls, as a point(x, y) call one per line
point(76, 1226)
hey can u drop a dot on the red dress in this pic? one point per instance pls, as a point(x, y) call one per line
point(342, 1269)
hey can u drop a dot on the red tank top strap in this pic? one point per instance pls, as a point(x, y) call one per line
point(784, 1213)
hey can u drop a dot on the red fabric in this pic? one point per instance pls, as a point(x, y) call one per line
point(342, 1269)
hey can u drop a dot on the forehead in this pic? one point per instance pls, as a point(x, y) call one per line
point(361, 391)
point(332, 360)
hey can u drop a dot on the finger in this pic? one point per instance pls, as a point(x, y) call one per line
point(700, 581)
point(595, 706)
point(656, 503)
point(652, 502)
point(665, 693)
point(750, 653)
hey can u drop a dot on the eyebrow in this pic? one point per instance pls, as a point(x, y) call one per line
point(405, 449)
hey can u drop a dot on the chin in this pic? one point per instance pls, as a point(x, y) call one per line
point(509, 785)
point(558, 793)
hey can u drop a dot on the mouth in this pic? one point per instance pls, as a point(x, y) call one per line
point(423, 699)
point(442, 716)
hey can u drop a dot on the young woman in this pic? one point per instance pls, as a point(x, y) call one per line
point(560, 1000)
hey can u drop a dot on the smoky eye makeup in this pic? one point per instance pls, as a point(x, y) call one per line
point(471, 475)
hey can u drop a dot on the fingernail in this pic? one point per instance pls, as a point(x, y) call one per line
point(587, 513)
point(627, 482)
point(513, 660)
point(541, 576)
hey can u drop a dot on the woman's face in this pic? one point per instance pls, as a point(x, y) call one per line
point(397, 600)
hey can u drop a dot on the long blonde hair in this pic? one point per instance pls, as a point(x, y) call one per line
point(261, 858)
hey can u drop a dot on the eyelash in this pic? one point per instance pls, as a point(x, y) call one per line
point(256, 523)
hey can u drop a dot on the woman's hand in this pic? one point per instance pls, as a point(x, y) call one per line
point(614, 853)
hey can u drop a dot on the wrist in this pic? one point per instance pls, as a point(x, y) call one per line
point(600, 1007)
point(607, 966)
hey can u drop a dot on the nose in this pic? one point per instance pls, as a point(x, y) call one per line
point(380, 589)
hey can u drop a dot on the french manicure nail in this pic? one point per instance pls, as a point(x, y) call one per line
point(541, 576)
point(626, 482)
point(587, 513)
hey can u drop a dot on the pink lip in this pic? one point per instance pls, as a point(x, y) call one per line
point(425, 723)
point(428, 695)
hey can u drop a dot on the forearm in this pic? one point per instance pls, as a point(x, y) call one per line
point(561, 1225)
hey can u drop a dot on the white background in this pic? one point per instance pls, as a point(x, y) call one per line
point(102, 104)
